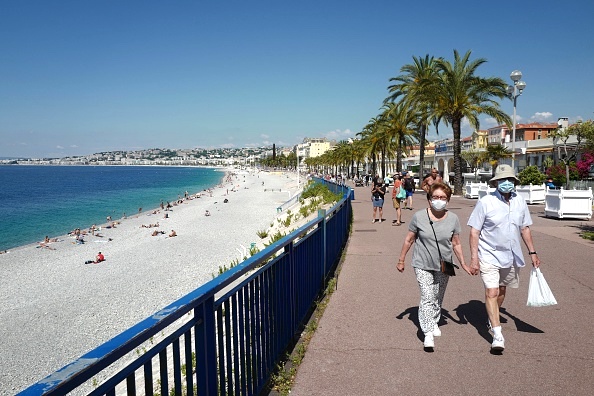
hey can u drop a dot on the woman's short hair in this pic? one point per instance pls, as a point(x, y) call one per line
point(439, 186)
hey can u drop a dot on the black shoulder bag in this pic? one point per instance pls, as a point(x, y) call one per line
point(447, 267)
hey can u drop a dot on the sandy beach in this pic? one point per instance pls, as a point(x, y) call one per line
point(55, 308)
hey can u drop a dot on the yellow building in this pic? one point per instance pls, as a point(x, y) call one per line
point(480, 140)
point(312, 147)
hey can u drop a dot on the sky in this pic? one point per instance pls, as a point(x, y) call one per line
point(81, 77)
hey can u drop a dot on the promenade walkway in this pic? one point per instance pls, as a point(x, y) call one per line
point(369, 343)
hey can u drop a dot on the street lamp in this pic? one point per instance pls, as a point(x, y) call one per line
point(513, 92)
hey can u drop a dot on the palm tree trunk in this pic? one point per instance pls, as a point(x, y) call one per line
point(457, 157)
point(399, 155)
point(422, 149)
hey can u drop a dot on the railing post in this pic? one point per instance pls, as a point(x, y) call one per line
point(322, 214)
point(206, 354)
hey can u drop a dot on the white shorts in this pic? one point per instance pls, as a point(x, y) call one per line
point(493, 276)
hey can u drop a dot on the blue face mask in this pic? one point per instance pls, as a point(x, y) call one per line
point(506, 186)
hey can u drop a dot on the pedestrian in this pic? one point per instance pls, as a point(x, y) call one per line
point(431, 178)
point(377, 197)
point(497, 222)
point(435, 233)
point(409, 186)
point(397, 202)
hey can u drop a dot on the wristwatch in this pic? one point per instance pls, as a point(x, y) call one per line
point(531, 253)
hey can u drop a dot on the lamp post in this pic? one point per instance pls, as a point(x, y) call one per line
point(513, 92)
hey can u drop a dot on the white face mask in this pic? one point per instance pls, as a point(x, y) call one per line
point(438, 204)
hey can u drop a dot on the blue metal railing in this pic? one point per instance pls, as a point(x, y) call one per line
point(225, 337)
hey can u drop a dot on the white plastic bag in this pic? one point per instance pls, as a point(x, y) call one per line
point(539, 293)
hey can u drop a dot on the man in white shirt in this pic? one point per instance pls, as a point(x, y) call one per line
point(497, 222)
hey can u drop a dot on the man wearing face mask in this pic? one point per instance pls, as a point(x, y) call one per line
point(497, 222)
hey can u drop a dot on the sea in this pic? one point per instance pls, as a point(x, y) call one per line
point(36, 201)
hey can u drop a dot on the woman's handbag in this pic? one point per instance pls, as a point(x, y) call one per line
point(539, 293)
point(447, 267)
point(401, 193)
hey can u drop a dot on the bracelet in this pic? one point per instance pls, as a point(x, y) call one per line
point(400, 261)
point(531, 253)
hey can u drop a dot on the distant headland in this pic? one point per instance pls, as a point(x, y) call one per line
point(156, 156)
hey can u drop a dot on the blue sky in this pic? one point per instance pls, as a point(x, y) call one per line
point(79, 77)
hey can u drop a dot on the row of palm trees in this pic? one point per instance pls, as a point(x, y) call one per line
point(429, 91)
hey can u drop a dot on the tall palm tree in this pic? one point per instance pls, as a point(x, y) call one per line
point(358, 153)
point(399, 124)
point(372, 134)
point(342, 154)
point(457, 92)
point(408, 87)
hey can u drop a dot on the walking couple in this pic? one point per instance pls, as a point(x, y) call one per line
point(497, 223)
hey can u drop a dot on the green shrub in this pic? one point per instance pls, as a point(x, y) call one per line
point(262, 233)
point(287, 221)
point(588, 235)
point(304, 211)
point(275, 237)
point(254, 250)
point(531, 175)
point(314, 189)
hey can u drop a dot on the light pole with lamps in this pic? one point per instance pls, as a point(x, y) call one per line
point(513, 92)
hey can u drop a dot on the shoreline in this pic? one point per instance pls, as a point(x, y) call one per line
point(106, 226)
point(60, 308)
point(224, 173)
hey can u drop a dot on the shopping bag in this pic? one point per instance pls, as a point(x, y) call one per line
point(539, 293)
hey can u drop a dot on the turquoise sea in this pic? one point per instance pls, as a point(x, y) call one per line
point(36, 201)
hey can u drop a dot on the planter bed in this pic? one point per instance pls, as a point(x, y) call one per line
point(569, 204)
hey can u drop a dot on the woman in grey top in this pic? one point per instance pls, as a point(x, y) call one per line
point(425, 258)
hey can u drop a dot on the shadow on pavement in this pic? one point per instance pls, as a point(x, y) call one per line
point(520, 324)
point(413, 316)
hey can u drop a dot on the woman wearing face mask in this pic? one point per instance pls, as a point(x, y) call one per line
point(426, 253)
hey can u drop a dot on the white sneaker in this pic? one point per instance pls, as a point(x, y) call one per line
point(498, 343)
point(429, 341)
point(436, 331)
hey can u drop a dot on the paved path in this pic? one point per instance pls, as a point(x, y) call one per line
point(369, 343)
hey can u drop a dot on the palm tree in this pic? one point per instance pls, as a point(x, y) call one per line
point(494, 153)
point(358, 153)
point(399, 124)
point(474, 159)
point(408, 86)
point(456, 92)
point(372, 134)
point(342, 154)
